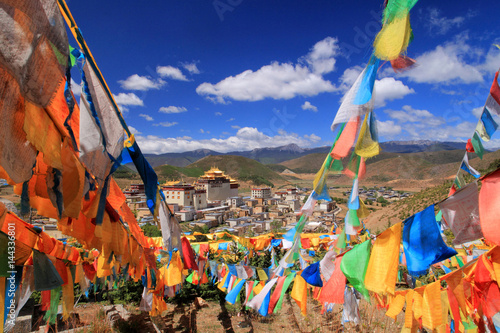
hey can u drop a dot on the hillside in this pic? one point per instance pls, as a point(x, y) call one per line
point(383, 218)
point(398, 211)
point(389, 166)
point(238, 167)
point(275, 155)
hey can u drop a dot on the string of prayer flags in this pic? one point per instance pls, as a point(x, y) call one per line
point(422, 242)
point(489, 206)
point(382, 271)
point(461, 214)
point(354, 264)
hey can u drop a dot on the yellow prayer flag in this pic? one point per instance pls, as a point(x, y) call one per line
point(432, 307)
point(366, 147)
point(299, 294)
point(382, 271)
point(393, 38)
point(396, 305)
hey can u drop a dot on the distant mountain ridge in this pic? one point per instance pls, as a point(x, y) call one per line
point(292, 151)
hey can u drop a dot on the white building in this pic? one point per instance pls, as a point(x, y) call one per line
point(261, 192)
point(217, 185)
point(185, 195)
point(235, 201)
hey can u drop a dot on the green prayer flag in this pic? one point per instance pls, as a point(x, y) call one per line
point(353, 218)
point(354, 264)
point(190, 278)
point(286, 284)
point(341, 240)
point(478, 145)
point(51, 314)
point(72, 58)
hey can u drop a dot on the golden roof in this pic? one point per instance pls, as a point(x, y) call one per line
point(213, 172)
point(172, 182)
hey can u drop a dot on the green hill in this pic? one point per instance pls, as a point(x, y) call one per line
point(237, 167)
point(240, 168)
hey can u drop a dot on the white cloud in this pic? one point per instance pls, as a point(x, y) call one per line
point(166, 124)
point(171, 73)
point(308, 106)
point(133, 130)
point(321, 58)
point(247, 138)
point(235, 127)
point(477, 112)
point(441, 24)
point(76, 88)
point(446, 64)
point(389, 89)
point(416, 124)
point(411, 115)
point(349, 77)
point(172, 109)
point(218, 113)
point(492, 61)
point(388, 129)
point(146, 116)
point(230, 119)
point(125, 99)
point(143, 83)
point(279, 80)
point(191, 68)
point(204, 131)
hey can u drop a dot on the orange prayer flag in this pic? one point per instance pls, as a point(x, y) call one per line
point(346, 139)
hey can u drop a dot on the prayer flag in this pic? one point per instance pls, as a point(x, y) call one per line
point(382, 270)
point(312, 275)
point(354, 264)
point(466, 167)
point(299, 294)
point(478, 145)
point(489, 207)
point(461, 214)
point(422, 242)
point(333, 290)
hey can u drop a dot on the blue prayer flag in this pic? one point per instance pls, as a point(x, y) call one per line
point(422, 242)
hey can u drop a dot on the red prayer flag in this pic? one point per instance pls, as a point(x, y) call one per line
point(489, 207)
point(188, 253)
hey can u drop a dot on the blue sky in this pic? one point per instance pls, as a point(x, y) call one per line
point(238, 74)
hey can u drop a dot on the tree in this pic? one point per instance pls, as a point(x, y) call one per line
point(277, 227)
point(151, 230)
